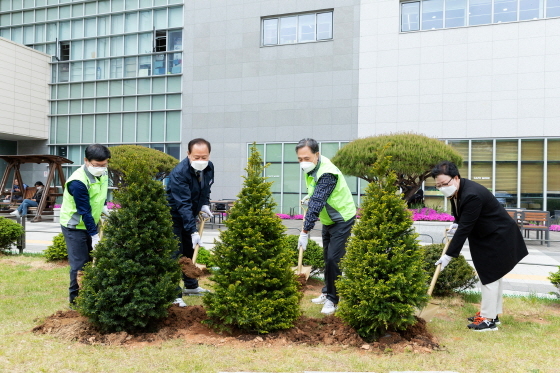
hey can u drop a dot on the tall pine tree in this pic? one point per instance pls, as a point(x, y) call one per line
point(383, 281)
point(255, 289)
point(134, 279)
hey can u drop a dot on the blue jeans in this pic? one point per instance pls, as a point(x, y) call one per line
point(25, 204)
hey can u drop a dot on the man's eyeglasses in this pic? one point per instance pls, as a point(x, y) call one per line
point(444, 184)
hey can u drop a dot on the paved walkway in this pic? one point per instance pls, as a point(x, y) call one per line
point(528, 277)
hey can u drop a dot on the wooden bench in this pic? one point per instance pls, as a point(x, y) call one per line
point(538, 221)
point(51, 200)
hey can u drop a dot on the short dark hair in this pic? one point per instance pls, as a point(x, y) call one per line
point(445, 168)
point(97, 152)
point(197, 141)
point(39, 183)
point(310, 143)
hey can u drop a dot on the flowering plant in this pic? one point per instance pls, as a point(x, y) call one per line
point(111, 205)
point(428, 214)
point(555, 228)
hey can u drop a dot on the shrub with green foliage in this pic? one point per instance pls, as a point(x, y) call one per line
point(10, 232)
point(312, 256)
point(205, 257)
point(555, 280)
point(458, 274)
point(412, 158)
point(134, 279)
point(384, 282)
point(158, 164)
point(57, 251)
point(255, 289)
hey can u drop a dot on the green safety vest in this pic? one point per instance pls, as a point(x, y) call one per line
point(340, 206)
point(97, 189)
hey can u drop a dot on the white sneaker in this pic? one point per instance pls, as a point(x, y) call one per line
point(197, 291)
point(321, 299)
point(329, 308)
point(179, 302)
point(15, 213)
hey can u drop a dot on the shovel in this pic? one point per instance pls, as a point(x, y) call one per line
point(196, 247)
point(300, 269)
point(429, 311)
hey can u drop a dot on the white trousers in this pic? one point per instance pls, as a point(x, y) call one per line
point(492, 301)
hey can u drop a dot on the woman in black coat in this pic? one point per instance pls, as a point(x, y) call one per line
point(495, 242)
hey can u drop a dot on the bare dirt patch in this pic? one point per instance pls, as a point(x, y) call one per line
point(34, 264)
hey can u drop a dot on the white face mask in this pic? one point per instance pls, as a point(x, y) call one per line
point(307, 166)
point(97, 171)
point(448, 191)
point(199, 165)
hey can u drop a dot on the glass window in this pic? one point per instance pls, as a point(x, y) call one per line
point(173, 101)
point(40, 15)
point(90, 48)
point(410, 14)
point(89, 70)
point(143, 86)
point(75, 71)
point(76, 52)
point(62, 107)
point(28, 35)
point(174, 84)
point(432, 14)
point(532, 171)
point(159, 64)
point(51, 31)
point(116, 68)
point(160, 18)
point(117, 5)
point(101, 128)
point(158, 85)
point(145, 3)
point(52, 14)
point(158, 103)
point(87, 129)
point(288, 27)
point(129, 103)
point(117, 24)
point(103, 47)
point(91, 8)
point(505, 11)
point(329, 149)
point(50, 49)
point(306, 27)
point(115, 88)
point(101, 105)
point(175, 17)
point(145, 43)
point(64, 30)
point(64, 11)
point(131, 4)
point(131, 44)
point(5, 5)
point(131, 22)
point(17, 18)
point(28, 3)
point(158, 126)
point(103, 26)
point(62, 130)
point(39, 33)
point(102, 71)
point(175, 40)
point(28, 16)
point(90, 27)
point(270, 31)
point(129, 128)
point(115, 104)
point(506, 172)
point(530, 9)
point(144, 103)
point(173, 127)
point(129, 87)
point(114, 128)
point(17, 4)
point(89, 89)
point(5, 20)
point(75, 90)
point(324, 26)
point(75, 107)
point(75, 129)
point(455, 13)
point(88, 106)
point(102, 89)
point(130, 67)
point(143, 127)
point(553, 8)
point(116, 46)
point(103, 6)
point(480, 12)
point(77, 10)
point(145, 22)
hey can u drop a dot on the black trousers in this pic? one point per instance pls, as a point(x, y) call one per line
point(78, 246)
point(185, 248)
point(334, 248)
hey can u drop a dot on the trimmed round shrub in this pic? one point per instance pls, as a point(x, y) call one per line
point(555, 280)
point(10, 232)
point(205, 257)
point(458, 275)
point(57, 251)
point(312, 256)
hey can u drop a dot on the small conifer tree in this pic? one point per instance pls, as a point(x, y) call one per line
point(383, 280)
point(134, 279)
point(255, 289)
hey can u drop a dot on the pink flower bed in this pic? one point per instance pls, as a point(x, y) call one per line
point(425, 214)
point(555, 228)
point(111, 205)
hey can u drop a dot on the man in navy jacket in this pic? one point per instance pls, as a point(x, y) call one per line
point(188, 193)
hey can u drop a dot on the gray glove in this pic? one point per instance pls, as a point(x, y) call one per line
point(95, 240)
point(196, 240)
point(452, 229)
point(303, 240)
point(444, 261)
point(206, 212)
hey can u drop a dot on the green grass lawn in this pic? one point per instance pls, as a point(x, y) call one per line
point(528, 339)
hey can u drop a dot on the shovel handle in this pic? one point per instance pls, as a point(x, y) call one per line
point(300, 259)
point(200, 231)
point(438, 267)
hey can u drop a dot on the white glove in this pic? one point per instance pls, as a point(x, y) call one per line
point(105, 211)
point(305, 201)
point(303, 240)
point(444, 261)
point(95, 240)
point(452, 229)
point(196, 240)
point(206, 212)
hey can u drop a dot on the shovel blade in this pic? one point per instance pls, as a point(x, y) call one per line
point(428, 312)
point(305, 270)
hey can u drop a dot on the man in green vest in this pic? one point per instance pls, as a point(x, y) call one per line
point(84, 198)
point(329, 200)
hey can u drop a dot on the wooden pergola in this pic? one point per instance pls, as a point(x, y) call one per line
point(55, 163)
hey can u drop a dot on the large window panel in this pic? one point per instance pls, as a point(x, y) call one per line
point(462, 147)
point(131, 44)
point(145, 43)
point(114, 128)
point(306, 28)
point(131, 22)
point(89, 70)
point(88, 106)
point(480, 12)
point(160, 19)
point(102, 71)
point(39, 33)
point(174, 84)
point(40, 15)
point(175, 17)
point(116, 46)
point(455, 13)
point(552, 8)
point(5, 20)
point(90, 47)
point(17, 18)
point(530, 9)
point(28, 16)
point(87, 129)
point(131, 4)
point(64, 11)
point(505, 11)
point(117, 5)
point(75, 133)
point(159, 64)
point(28, 35)
point(90, 8)
point(104, 6)
point(175, 40)
point(90, 27)
point(75, 107)
point(76, 71)
point(270, 31)
point(158, 103)
point(273, 153)
point(117, 24)
point(432, 14)
point(77, 10)
point(103, 47)
point(101, 105)
point(77, 50)
point(129, 104)
point(129, 87)
point(158, 85)
point(553, 177)
point(173, 127)
point(506, 172)
point(62, 130)
point(143, 127)
point(102, 89)
point(324, 26)
point(103, 26)
point(130, 67)
point(129, 128)
point(115, 88)
point(145, 23)
point(532, 171)
point(88, 89)
point(329, 149)
point(173, 102)
point(101, 128)
point(143, 86)
point(144, 103)
point(288, 30)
